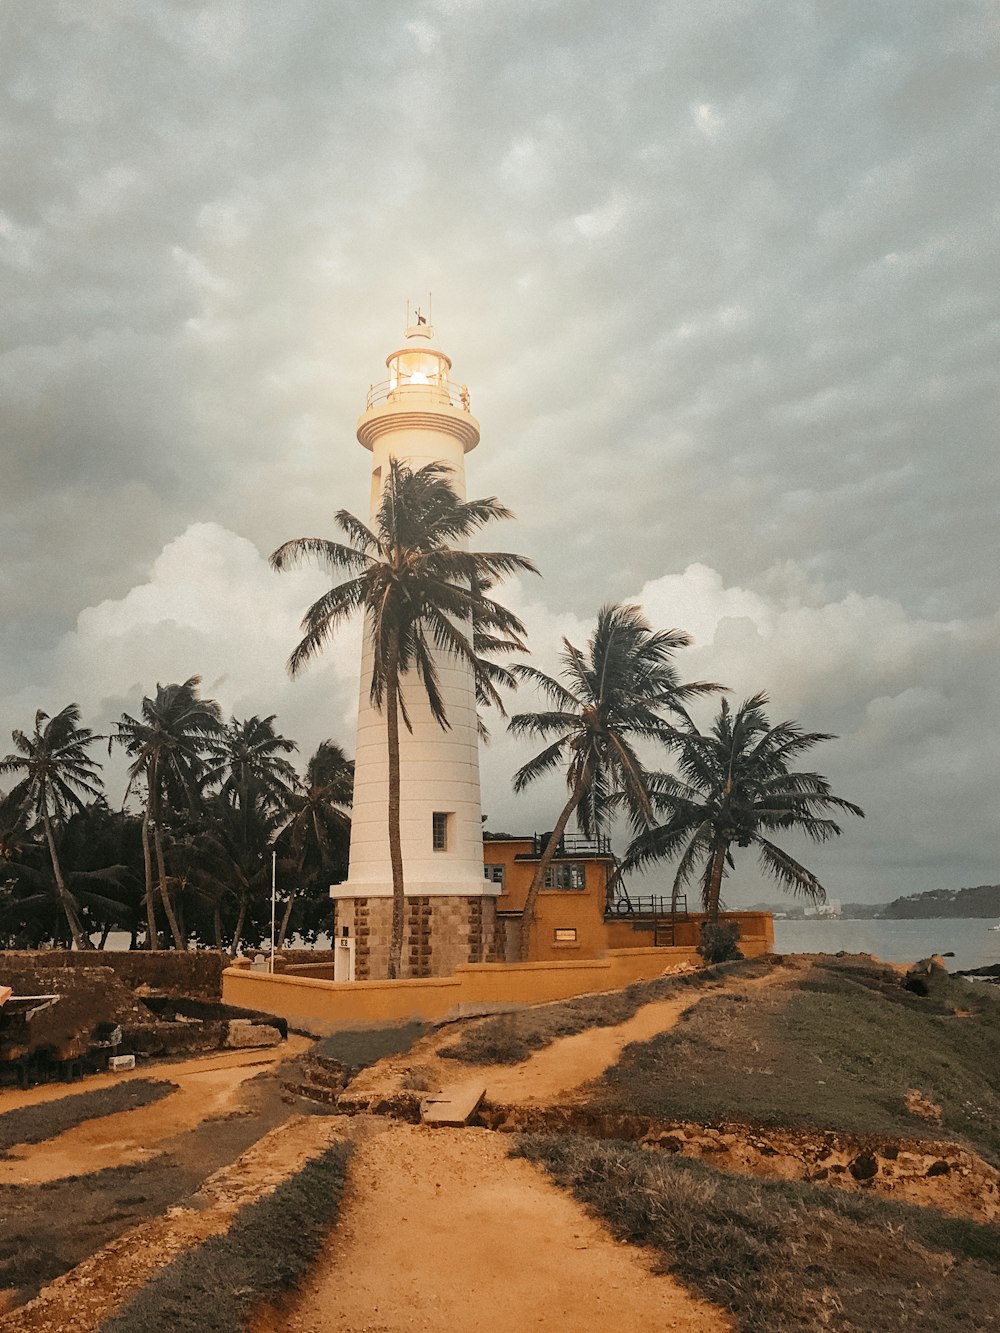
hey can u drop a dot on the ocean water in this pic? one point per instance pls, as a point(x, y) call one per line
point(971, 940)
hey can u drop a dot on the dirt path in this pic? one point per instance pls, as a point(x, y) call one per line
point(440, 1229)
point(209, 1087)
point(554, 1073)
point(562, 1068)
point(81, 1300)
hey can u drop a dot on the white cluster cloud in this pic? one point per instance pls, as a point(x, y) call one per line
point(907, 697)
point(720, 278)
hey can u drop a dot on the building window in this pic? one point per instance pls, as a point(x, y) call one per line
point(439, 831)
point(494, 874)
point(564, 934)
point(566, 875)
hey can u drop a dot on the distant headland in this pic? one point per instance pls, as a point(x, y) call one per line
point(981, 901)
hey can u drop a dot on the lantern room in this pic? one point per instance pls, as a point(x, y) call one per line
point(420, 369)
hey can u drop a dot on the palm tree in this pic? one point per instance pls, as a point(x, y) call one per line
point(256, 784)
point(737, 786)
point(317, 830)
point(614, 694)
point(56, 769)
point(167, 745)
point(246, 760)
point(421, 593)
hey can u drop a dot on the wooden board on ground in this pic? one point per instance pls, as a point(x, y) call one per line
point(454, 1106)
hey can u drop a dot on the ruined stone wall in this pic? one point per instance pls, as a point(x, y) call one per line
point(181, 973)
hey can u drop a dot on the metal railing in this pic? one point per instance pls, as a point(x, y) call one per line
point(437, 391)
point(572, 844)
point(659, 912)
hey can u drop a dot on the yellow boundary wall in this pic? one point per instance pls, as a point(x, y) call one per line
point(309, 992)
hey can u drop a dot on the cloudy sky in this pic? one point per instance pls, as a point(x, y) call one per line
point(721, 277)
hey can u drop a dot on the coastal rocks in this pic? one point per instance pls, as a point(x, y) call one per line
point(943, 1175)
point(926, 976)
point(919, 1105)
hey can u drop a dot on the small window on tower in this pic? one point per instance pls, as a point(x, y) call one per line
point(439, 831)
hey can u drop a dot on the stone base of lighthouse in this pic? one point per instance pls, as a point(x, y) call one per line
point(439, 932)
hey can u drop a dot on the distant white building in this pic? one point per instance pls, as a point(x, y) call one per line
point(831, 910)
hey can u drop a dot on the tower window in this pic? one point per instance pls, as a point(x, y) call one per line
point(439, 830)
point(566, 875)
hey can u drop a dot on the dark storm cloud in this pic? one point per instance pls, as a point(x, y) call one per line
point(721, 278)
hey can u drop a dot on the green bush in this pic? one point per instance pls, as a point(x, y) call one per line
point(720, 942)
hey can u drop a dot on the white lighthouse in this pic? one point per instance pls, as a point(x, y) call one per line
point(418, 416)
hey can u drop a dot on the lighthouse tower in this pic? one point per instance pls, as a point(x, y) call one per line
point(418, 416)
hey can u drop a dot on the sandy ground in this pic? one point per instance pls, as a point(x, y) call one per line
point(208, 1087)
point(84, 1298)
point(440, 1229)
point(552, 1074)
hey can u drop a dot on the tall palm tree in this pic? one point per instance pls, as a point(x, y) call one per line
point(611, 695)
point(167, 744)
point(420, 593)
point(56, 769)
point(737, 786)
point(317, 829)
point(256, 782)
point(246, 760)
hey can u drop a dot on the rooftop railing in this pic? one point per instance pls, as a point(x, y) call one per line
point(438, 391)
point(572, 844)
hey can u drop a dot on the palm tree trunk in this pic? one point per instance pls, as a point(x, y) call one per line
point(713, 883)
point(168, 907)
point(395, 840)
point(217, 925)
point(541, 870)
point(285, 919)
point(66, 899)
point(234, 948)
point(152, 934)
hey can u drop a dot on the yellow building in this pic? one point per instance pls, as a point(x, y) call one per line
point(579, 915)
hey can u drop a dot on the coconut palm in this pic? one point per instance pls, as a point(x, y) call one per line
point(611, 695)
point(421, 593)
point(317, 830)
point(737, 786)
point(56, 769)
point(167, 744)
point(256, 783)
point(245, 758)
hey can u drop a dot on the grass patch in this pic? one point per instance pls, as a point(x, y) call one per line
point(510, 1038)
point(783, 1256)
point(357, 1049)
point(51, 1227)
point(837, 1048)
point(215, 1287)
point(35, 1124)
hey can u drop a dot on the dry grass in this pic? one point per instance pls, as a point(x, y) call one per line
point(215, 1287)
point(837, 1048)
point(35, 1124)
point(510, 1038)
point(785, 1256)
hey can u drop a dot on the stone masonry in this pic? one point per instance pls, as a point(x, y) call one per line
point(439, 932)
